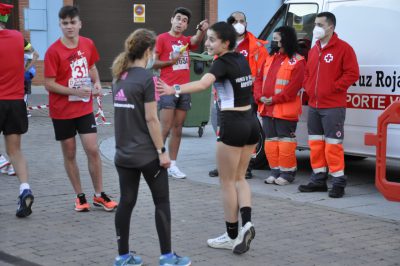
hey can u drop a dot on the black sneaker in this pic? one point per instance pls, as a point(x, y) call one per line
point(336, 192)
point(311, 187)
point(25, 201)
point(213, 173)
point(249, 174)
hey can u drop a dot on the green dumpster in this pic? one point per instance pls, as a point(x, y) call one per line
point(199, 114)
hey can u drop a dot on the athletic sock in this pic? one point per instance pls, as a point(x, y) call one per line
point(173, 163)
point(245, 212)
point(98, 195)
point(232, 229)
point(22, 187)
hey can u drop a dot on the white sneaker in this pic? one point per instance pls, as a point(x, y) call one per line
point(3, 162)
point(244, 238)
point(9, 170)
point(281, 181)
point(175, 172)
point(223, 241)
point(270, 180)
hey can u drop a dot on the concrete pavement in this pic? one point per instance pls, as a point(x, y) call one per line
point(292, 228)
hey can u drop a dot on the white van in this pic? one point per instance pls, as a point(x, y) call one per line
point(371, 27)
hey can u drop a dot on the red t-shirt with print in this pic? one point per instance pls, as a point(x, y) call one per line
point(178, 73)
point(70, 68)
point(11, 65)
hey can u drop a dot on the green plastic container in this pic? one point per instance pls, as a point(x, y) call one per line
point(199, 114)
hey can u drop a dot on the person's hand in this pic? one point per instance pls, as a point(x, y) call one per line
point(175, 56)
point(203, 25)
point(163, 88)
point(164, 160)
point(83, 92)
point(268, 101)
point(97, 90)
point(263, 99)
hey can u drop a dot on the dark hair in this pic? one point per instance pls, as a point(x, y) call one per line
point(330, 17)
point(135, 46)
point(231, 19)
point(225, 32)
point(184, 11)
point(68, 11)
point(288, 40)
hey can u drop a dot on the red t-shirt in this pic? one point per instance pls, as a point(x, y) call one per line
point(180, 72)
point(243, 48)
point(12, 65)
point(70, 68)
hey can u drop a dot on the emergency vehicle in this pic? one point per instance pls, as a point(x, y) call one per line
point(371, 28)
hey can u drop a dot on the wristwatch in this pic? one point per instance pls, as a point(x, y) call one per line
point(161, 151)
point(177, 89)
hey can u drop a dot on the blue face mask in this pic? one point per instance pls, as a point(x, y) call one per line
point(150, 62)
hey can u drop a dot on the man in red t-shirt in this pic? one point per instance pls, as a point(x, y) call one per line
point(172, 57)
point(13, 114)
point(70, 71)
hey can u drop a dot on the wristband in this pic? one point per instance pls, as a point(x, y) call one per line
point(177, 88)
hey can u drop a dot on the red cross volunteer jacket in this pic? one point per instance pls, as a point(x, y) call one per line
point(330, 71)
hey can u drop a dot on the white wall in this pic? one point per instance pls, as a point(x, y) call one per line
point(258, 12)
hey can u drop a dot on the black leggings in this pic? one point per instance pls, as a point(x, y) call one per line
point(157, 180)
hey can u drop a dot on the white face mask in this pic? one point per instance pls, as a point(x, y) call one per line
point(318, 32)
point(150, 61)
point(240, 28)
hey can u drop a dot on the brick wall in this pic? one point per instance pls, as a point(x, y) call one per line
point(212, 11)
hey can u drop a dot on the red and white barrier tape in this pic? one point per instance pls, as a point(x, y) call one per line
point(99, 114)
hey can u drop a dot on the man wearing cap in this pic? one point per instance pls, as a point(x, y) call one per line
point(13, 114)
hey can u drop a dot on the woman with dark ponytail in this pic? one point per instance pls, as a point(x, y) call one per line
point(139, 146)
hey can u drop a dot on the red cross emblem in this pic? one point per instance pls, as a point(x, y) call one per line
point(244, 52)
point(328, 58)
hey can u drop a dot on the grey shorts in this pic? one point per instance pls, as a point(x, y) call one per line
point(183, 102)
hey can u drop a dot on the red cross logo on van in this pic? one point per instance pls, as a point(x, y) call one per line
point(328, 58)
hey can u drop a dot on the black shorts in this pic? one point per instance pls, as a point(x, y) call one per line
point(67, 128)
point(239, 128)
point(13, 117)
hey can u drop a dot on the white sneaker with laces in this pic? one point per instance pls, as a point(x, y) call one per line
point(3, 162)
point(9, 170)
point(175, 172)
point(281, 181)
point(270, 180)
point(244, 238)
point(223, 241)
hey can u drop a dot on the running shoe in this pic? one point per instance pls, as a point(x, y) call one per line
point(81, 204)
point(244, 238)
point(130, 260)
point(105, 202)
point(174, 260)
point(8, 170)
point(25, 201)
point(3, 162)
point(223, 241)
point(175, 172)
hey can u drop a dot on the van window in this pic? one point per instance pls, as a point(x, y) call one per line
point(299, 16)
point(302, 17)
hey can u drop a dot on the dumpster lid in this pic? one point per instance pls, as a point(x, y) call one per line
point(200, 57)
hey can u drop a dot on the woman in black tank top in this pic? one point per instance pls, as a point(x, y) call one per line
point(231, 76)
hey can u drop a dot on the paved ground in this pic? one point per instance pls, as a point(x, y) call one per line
point(292, 228)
